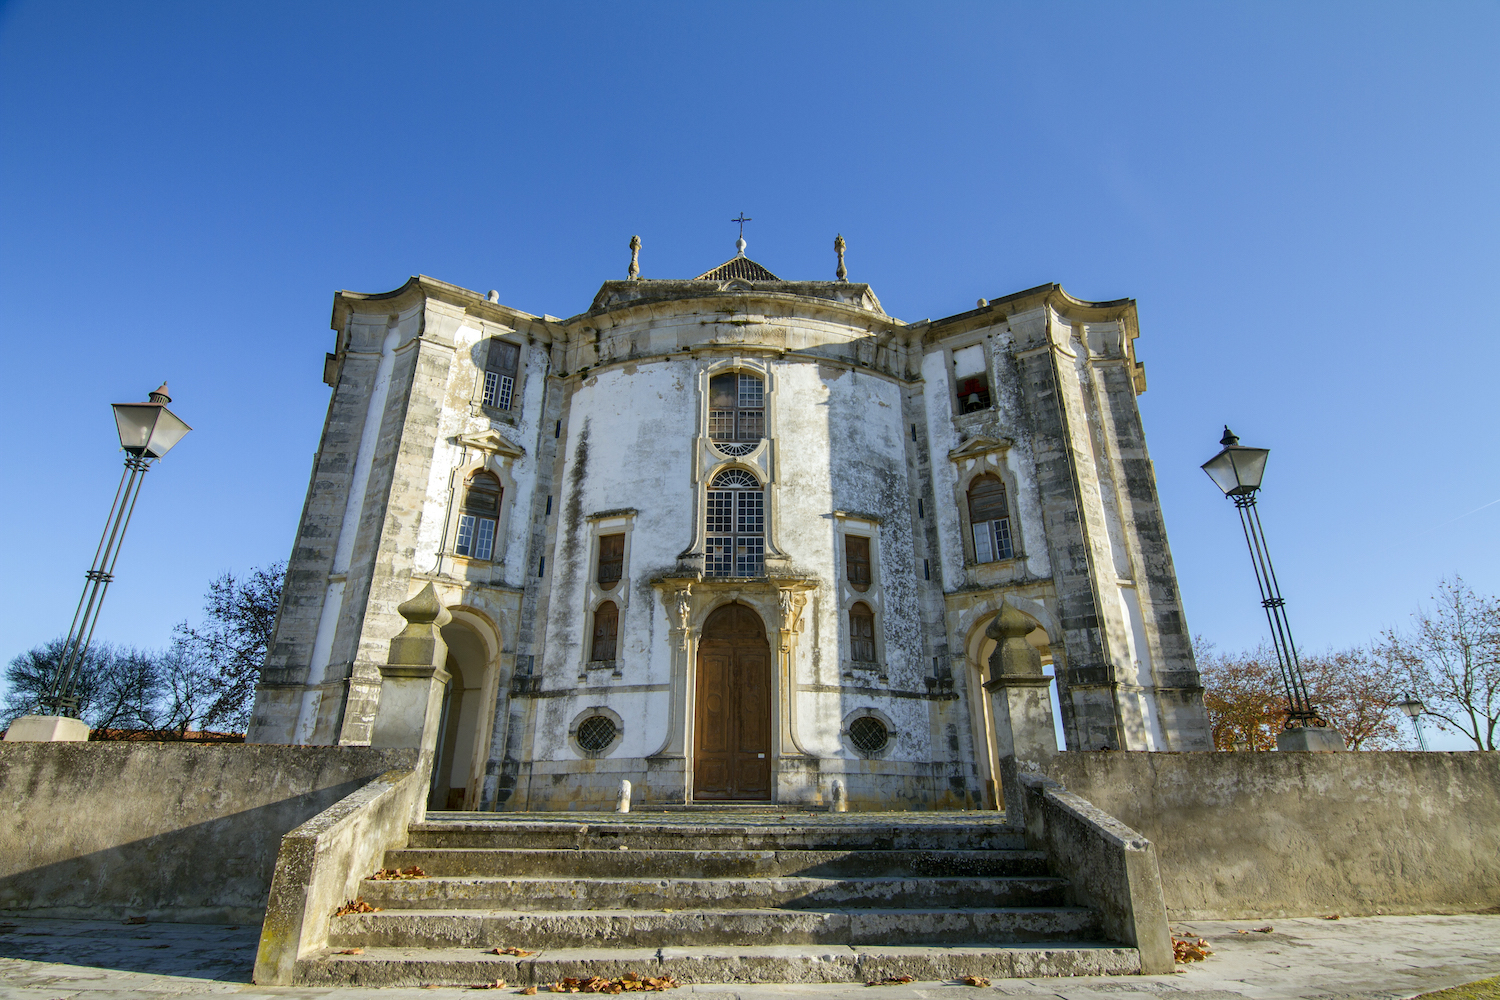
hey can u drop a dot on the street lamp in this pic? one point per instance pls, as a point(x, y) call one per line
point(1237, 471)
point(147, 432)
point(1412, 707)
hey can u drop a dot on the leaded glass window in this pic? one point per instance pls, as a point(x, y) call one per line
point(736, 526)
point(736, 407)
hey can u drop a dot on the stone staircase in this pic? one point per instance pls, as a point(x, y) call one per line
point(747, 896)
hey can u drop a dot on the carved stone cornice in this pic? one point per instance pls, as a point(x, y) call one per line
point(980, 445)
point(491, 442)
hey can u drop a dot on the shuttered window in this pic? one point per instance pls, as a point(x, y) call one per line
point(611, 560)
point(500, 373)
point(606, 628)
point(989, 517)
point(861, 633)
point(857, 561)
point(478, 516)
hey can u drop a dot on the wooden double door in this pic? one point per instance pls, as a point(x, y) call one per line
point(732, 729)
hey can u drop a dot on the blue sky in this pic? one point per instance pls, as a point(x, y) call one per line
point(1301, 197)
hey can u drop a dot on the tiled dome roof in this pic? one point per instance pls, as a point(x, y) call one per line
point(741, 267)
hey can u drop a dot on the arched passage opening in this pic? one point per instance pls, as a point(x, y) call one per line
point(452, 769)
point(982, 717)
point(732, 721)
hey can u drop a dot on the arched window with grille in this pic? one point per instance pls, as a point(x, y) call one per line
point(989, 516)
point(861, 633)
point(606, 628)
point(478, 516)
point(736, 407)
point(736, 543)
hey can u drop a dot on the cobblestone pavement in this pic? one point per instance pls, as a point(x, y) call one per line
point(1361, 958)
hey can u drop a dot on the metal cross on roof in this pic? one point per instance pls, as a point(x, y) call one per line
point(742, 220)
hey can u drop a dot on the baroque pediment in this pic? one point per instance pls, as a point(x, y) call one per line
point(491, 442)
point(979, 445)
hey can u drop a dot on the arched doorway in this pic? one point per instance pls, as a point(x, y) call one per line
point(732, 723)
point(980, 647)
point(451, 769)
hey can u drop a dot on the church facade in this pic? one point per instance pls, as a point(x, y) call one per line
point(732, 538)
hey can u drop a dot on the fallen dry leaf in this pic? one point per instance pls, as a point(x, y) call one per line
point(628, 983)
point(351, 951)
point(1331, 916)
point(498, 984)
point(529, 991)
point(891, 981)
point(393, 874)
point(518, 952)
point(1186, 950)
point(355, 905)
point(134, 920)
point(974, 981)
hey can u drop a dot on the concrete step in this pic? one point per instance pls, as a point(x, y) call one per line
point(670, 834)
point(634, 863)
point(483, 929)
point(797, 893)
point(718, 964)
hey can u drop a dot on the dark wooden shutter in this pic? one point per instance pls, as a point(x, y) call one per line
point(611, 560)
point(606, 626)
point(482, 496)
point(857, 561)
point(502, 357)
point(861, 634)
point(987, 500)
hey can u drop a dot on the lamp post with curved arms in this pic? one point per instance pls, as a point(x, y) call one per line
point(1237, 470)
point(147, 432)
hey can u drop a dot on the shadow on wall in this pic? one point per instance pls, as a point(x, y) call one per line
point(161, 830)
point(1253, 835)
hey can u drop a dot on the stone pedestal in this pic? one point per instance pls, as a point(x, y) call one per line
point(1020, 700)
point(412, 680)
point(47, 729)
point(1310, 739)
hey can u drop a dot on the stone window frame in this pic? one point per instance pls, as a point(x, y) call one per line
point(480, 363)
point(477, 484)
point(600, 524)
point(989, 460)
point(584, 716)
point(893, 735)
point(498, 463)
point(709, 462)
point(865, 526)
point(955, 404)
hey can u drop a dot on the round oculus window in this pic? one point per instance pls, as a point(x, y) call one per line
point(596, 733)
point(868, 734)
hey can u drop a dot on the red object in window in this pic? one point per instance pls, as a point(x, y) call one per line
point(973, 393)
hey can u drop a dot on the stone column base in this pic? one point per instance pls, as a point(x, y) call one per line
point(47, 729)
point(1310, 739)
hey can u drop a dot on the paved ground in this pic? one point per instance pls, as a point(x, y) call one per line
point(1364, 958)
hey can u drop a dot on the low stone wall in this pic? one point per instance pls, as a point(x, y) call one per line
point(186, 832)
point(323, 862)
point(1298, 834)
point(1109, 866)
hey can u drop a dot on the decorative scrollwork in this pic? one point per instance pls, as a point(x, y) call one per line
point(735, 449)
